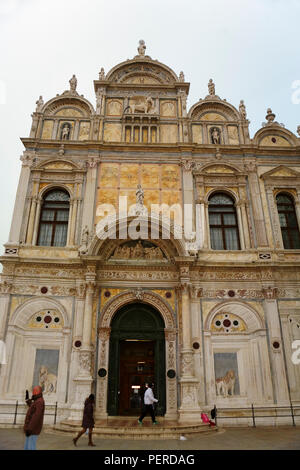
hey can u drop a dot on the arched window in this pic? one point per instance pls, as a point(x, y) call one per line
point(288, 221)
point(224, 234)
point(54, 219)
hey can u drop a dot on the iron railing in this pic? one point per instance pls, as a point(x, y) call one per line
point(253, 413)
point(21, 410)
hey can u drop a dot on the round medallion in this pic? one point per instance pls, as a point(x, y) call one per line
point(102, 372)
point(231, 293)
point(77, 344)
point(171, 373)
point(47, 319)
point(276, 345)
point(44, 290)
point(196, 345)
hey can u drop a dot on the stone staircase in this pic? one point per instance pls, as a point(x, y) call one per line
point(128, 428)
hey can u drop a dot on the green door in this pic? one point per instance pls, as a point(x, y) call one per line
point(136, 355)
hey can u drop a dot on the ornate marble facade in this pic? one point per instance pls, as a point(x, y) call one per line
point(223, 309)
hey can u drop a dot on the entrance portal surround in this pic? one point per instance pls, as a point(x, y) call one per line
point(107, 314)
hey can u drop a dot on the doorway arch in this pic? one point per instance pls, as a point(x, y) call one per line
point(136, 355)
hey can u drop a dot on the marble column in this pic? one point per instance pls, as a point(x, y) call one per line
point(257, 208)
point(189, 410)
point(89, 197)
point(19, 208)
point(196, 340)
point(31, 220)
point(102, 382)
point(83, 380)
point(276, 347)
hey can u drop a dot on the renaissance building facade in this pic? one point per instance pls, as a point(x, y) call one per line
point(202, 297)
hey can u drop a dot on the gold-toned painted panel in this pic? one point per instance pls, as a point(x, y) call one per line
point(84, 131)
point(233, 136)
point(108, 196)
point(277, 141)
point(197, 134)
point(168, 109)
point(69, 112)
point(129, 176)
point(171, 197)
point(218, 169)
point(212, 117)
point(151, 197)
point(131, 197)
point(109, 175)
point(168, 133)
point(150, 176)
point(58, 166)
point(141, 80)
point(114, 108)
point(47, 129)
point(112, 132)
point(170, 177)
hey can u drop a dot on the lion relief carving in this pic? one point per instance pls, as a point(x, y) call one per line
point(226, 384)
point(141, 105)
point(47, 381)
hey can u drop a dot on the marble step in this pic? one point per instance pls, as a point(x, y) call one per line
point(120, 429)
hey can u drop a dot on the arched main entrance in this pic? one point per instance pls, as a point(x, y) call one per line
point(136, 355)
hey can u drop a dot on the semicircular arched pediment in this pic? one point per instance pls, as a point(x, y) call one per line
point(141, 68)
point(213, 111)
point(68, 106)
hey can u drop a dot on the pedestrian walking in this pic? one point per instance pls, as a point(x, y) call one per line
point(34, 418)
point(149, 401)
point(88, 420)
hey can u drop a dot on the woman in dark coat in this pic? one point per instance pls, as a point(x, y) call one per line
point(88, 419)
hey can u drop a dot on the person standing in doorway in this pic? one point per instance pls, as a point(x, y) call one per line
point(34, 418)
point(149, 401)
point(88, 420)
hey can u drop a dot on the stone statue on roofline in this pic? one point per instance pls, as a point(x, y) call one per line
point(141, 47)
point(242, 109)
point(211, 87)
point(73, 84)
point(39, 104)
point(102, 74)
point(298, 130)
point(181, 77)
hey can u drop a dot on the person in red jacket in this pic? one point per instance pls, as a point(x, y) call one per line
point(34, 418)
point(88, 419)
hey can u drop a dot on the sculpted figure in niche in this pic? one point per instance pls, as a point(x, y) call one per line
point(39, 104)
point(65, 132)
point(73, 84)
point(139, 195)
point(242, 109)
point(211, 87)
point(47, 381)
point(142, 47)
point(215, 136)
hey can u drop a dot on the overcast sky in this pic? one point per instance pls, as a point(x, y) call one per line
point(249, 47)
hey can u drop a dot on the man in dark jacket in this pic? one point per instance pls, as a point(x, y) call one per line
point(88, 419)
point(34, 418)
